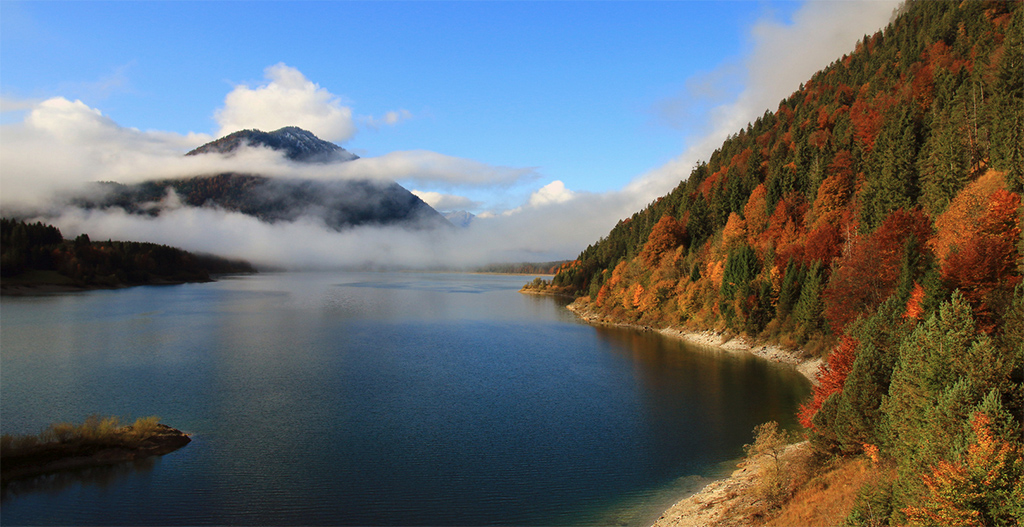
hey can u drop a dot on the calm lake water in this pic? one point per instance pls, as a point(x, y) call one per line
point(373, 399)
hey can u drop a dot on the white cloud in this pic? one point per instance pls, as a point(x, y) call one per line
point(288, 98)
point(422, 166)
point(445, 202)
point(389, 119)
point(554, 192)
point(62, 144)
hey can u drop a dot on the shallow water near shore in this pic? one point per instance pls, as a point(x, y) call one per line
point(375, 399)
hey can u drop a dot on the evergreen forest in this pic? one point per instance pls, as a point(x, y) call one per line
point(36, 254)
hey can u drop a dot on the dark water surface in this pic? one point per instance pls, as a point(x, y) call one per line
point(373, 399)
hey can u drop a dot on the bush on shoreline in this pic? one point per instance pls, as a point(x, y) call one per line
point(95, 431)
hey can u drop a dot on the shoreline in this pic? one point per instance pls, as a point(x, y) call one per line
point(719, 503)
point(713, 340)
point(726, 502)
point(38, 289)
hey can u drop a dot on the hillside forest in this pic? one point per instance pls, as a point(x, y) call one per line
point(874, 219)
point(37, 254)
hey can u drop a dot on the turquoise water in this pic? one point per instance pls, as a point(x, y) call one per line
point(372, 399)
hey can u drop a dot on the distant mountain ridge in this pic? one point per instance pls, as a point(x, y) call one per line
point(296, 143)
point(339, 204)
point(460, 218)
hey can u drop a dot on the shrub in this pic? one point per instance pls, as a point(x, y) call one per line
point(772, 486)
point(145, 426)
point(95, 430)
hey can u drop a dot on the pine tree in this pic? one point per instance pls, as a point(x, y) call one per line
point(857, 412)
point(808, 309)
point(985, 486)
point(944, 372)
point(1008, 128)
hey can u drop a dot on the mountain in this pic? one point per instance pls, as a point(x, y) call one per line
point(459, 218)
point(296, 143)
point(339, 204)
point(873, 220)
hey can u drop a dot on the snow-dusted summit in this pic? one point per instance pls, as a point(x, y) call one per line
point(296, 143)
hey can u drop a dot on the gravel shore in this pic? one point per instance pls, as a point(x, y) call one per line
point(710, 339)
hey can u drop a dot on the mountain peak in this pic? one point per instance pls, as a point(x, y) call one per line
point(296, 143)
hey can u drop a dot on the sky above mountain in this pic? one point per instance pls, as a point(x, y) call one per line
point(553, 119)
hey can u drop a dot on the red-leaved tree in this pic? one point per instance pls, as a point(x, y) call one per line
point(868, 273)
point(831, 379)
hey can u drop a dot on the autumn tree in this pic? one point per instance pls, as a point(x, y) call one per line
point(915, 304)
point(830, 380)
point(833, 195)
point(824, 244)
point(985, 266)
point(665, 236)
point(734, 232)
point(755, 212)
point(960, 220)
point(870, 271)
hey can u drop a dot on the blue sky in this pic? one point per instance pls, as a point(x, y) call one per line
point(556, 99)
point(570, 88)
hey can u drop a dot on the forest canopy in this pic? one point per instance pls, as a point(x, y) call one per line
point(36, 253)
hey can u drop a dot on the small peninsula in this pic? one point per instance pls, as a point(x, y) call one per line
point(97, 441)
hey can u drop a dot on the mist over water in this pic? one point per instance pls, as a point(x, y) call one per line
point(373, 399)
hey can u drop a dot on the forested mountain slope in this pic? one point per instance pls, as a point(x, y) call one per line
point(874, 216)
point(899, 164)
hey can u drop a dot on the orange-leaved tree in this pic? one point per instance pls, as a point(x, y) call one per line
point(665, 236)
point(960, 220)
point(985, 266)
point(755, 212)
point(915, 304)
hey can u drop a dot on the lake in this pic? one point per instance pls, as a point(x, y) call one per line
point(374, 399)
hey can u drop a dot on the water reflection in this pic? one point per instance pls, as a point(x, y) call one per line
point(725, 393)
point(378, 399)
point(102, 476)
